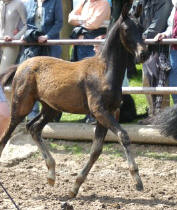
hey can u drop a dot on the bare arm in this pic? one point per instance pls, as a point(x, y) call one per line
point(74, 17)
point(101, 14)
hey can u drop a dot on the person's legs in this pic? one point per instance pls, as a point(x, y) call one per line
point(4, 112)
point(9, 57)
point(85, 51)
point(125, 81)
point(165, 100)
point(148, 97)
point(173, 72)
point(34, 112)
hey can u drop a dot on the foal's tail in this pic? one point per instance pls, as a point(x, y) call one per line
point(7, 78)
point(167, 122)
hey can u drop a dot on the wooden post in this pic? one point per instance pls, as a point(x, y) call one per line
point(67, 28)
point(143, 134)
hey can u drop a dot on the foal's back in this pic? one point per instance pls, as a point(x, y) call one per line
point(61, 84)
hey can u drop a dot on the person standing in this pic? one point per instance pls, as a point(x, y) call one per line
point(44, 20)
point(171, 32)
point(4, 112)
point(90, 18)
point(12, 27)
point(47, 17)
point(153, 19)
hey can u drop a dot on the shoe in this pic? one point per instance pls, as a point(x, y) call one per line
point(146, 121)
point(82, 120)
point(90, 120)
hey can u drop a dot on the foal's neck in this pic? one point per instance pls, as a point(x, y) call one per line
point(115, 56)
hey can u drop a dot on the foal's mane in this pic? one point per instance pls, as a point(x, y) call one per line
point(112, 38)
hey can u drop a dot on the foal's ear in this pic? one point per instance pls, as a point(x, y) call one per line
point(138, 11)
point(126, 9)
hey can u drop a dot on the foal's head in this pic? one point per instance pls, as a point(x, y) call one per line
point(131, 34)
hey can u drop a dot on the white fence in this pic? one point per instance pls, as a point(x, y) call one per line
point(78, 42)
point(125, 90)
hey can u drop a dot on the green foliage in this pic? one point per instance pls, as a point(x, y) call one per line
point(73, 148)
point(159, 156)
point(112, 149)
point(140, 99)
point(67, 117)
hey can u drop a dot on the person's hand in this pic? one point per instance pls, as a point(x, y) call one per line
point(22, 39)
point(15, 32)
point(81, 37)
point(159, 37)
point(7, 38)
point(42, 39)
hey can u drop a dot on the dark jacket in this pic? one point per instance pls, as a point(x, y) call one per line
point(31, 36)
point(154, 18)
point(52, 20)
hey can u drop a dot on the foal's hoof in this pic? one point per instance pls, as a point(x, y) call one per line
point(66, 206)
point(72, 194)
point(139, 186)
point(51, 181)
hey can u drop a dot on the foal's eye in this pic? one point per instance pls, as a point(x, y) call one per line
point(126, 29)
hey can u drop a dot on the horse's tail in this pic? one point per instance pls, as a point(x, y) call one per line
point(7, 78)
point(167, 122)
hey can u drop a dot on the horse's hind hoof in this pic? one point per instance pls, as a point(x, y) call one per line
point(72, 194)
point(139, 186)
point(51, 181)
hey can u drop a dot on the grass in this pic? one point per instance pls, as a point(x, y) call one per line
point(140, 99)
point(108, 148)
point(79, 148)
point(67, 117)
point(159, 156)
point(113, 150)
point(75, 149)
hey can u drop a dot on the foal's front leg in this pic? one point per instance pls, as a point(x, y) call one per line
point(107, 120)
point(96, 149)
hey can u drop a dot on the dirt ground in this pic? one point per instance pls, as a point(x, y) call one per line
point(108, 185)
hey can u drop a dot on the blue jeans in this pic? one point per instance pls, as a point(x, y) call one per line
point(84, 51)
point(2, 95)
point(173, 72)
point(34, 112)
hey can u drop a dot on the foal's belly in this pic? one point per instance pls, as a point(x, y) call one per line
point(70, 99)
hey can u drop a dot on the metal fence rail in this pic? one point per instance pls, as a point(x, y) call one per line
point(149, 90)
point(77, 42)
point(137, 90)
point(125, 90)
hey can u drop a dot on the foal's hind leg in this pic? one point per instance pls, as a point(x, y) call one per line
point(28, 124)
point(35, 129)
point(107, 120)
point(96, 150)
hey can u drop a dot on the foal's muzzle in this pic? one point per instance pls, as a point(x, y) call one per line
point(142, 54)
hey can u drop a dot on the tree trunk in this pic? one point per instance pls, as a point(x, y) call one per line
point(67, 28)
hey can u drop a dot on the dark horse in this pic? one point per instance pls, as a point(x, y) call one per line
point(91, 85)
point(167, 122)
